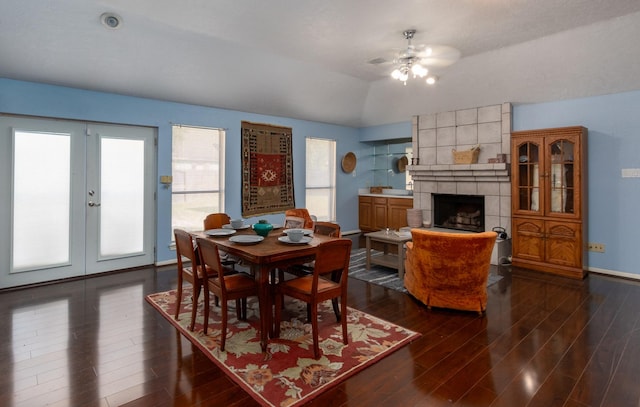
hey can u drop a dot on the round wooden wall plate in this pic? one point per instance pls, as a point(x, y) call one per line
point(349, 162)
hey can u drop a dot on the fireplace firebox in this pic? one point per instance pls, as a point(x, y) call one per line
point(461, 212)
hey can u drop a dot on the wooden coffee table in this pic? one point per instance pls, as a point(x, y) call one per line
point(387, 259)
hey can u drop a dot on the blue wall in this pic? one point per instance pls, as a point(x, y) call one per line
point(613, 144)
point(27, 98)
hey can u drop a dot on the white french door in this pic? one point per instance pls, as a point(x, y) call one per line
point(79, 198)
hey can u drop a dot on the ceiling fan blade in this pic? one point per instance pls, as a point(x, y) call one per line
point(440, 56)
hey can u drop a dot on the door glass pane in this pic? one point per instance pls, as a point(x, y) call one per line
point(121, 196)
point(41, 199)
point(528, 177)
point(562, 188)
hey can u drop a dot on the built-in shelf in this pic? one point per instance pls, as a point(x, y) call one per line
point(498, 172)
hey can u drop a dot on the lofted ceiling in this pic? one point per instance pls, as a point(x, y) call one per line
point(311, 60)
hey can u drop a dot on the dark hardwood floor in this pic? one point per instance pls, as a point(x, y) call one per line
point(545, 341)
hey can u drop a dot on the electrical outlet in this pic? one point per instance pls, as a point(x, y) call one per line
point(596, 247)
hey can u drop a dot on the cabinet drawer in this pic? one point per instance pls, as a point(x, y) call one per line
point(406, 203)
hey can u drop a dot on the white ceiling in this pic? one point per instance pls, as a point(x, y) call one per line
point(308, 59)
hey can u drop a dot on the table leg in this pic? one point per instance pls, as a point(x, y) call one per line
point(264, 299)
point(368, 242)
point(401, 260)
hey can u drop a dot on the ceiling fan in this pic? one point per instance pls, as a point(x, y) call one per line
point(416, 60)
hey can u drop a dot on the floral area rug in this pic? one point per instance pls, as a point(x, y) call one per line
point(287, 374)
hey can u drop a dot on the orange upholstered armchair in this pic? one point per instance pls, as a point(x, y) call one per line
point(449, 270)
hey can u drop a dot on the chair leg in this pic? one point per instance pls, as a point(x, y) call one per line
point(178, 299)
point(343, 305)
point(206, 310)
point(243, 303)
point(223, 333)
point(194, 306)
point(278, 312)
point(314, 330)
point(238, 309)
point(336, 310)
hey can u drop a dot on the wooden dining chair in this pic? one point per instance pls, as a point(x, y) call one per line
point(298, 218)
point(225, 286)
point(216, 220)
point(327, 229)
point(328, 281)
point(193, 273)
point(319, 228)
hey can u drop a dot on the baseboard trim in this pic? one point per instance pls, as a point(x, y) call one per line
point(613, 273)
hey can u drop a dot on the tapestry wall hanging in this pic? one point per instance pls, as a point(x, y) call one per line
point(267, 169)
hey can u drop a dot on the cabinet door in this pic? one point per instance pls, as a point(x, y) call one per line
point(527, 178)
point(365, 213)
point(397, 212)
point(563, 243)
point(380, 213)
point(528, 239)
point(563, 177)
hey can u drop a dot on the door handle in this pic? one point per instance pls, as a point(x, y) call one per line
point(91, 203)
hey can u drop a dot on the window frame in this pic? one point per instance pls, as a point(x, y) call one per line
point(331, 187)
point(220, 138)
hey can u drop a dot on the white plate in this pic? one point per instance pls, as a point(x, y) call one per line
point(219, 232)
point(307, 232)
point(228, 226)
point(276, 226)
point(246, 239)
point(285, 239)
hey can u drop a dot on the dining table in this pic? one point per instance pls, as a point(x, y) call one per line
point(273, 252)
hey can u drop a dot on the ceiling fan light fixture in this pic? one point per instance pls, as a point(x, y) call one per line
point(415, 59)
point(419, 70)
point(400, 74)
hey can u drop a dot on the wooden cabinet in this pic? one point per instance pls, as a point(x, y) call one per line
point(377, 213)
point(548, 200)
point(397, 212)
point(379, 220)
point(365, 212)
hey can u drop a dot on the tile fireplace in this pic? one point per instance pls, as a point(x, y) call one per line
point(436, 135)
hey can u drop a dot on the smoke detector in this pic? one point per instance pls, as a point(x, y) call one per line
point(111, 20)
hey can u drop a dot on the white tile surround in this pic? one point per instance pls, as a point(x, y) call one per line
point(434, 136)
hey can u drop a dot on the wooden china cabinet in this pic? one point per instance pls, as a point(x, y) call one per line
point(549, 200)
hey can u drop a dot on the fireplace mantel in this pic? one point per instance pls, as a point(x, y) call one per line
point(498, 172)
